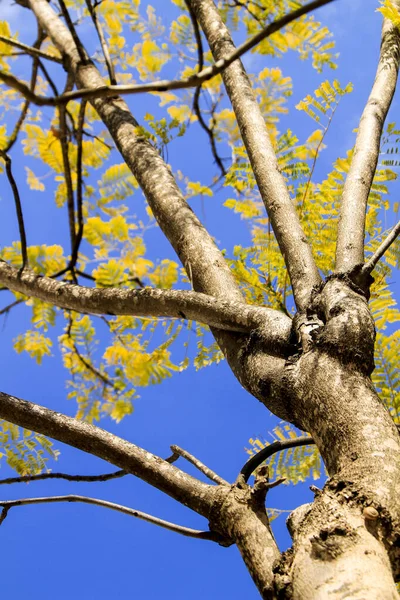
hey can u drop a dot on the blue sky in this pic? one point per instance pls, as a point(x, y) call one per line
point(85, 552)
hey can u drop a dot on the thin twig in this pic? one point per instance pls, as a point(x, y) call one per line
point(7, 309)
point(199, 465)
point(83, 360)
point(72, 30)
point(13, 137)
point(385, 245)
point(164, 85)
point(186, 531)
point(79, 187)
point(79, 478)
point(104, 46)
point(33, 51)
point(48, 78)
point(63, 138)
point(196, 97)
point(317, 151)
point(76, 478)
point(251, 465)
point(238, 3)
point(18, 207)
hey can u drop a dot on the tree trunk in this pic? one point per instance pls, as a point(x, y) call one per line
point(345, 544)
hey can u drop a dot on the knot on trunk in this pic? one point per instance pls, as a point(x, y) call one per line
point(348, 333)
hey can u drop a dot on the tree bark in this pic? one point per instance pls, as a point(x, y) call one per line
point(152, 302)
point(346, 543)
point(351, 230)
point(332, 397)
point(280, 207)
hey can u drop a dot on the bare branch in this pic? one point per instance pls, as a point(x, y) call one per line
point(186, 531)
point(297, 253)
point(33, 51)
point(150, 302)
point(351, 231)
point(13, 137)
point(121, 453)
point(18, 207)
point(199, 465)
point(196, 98)
point(81, 50)
point(77, 478)
point(79, 185)
point(256, 460)
point(71, 267)
point(7, 308)
point(191, 241)
point(385, 245)
point(64, 142)
point(105, 91)
point(104, 46)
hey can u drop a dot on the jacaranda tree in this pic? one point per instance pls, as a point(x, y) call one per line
point(302, 312)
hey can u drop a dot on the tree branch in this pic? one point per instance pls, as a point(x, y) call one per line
point(191, 241)
point(121, 453)
point(351, 231)
point(107, 91)
point(255, 461)
point(66, 476)
point(33, 51)
point(103, 43)
point(150, 302)
point(186, 531)
point(63, 139)
point(18, 207)
point(199, 465)
point(79, 185)
point(385, 245)
point(78, 44)
point(77, 478)
point(280, 207)
point(13, 137)
point(196, 98)
point(7, 308)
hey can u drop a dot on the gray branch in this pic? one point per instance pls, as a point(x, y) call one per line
point(351, 231)
point(271, 184)
point(96, 441)
point(199, 465)
point(150, 302)
point(186, 531)
point(29, 49)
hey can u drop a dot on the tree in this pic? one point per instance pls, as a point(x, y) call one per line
point(292, 319)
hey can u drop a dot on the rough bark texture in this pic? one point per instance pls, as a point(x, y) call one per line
point(332, 397)
point(350, 243)
point(346, 544)
point(147, 302)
